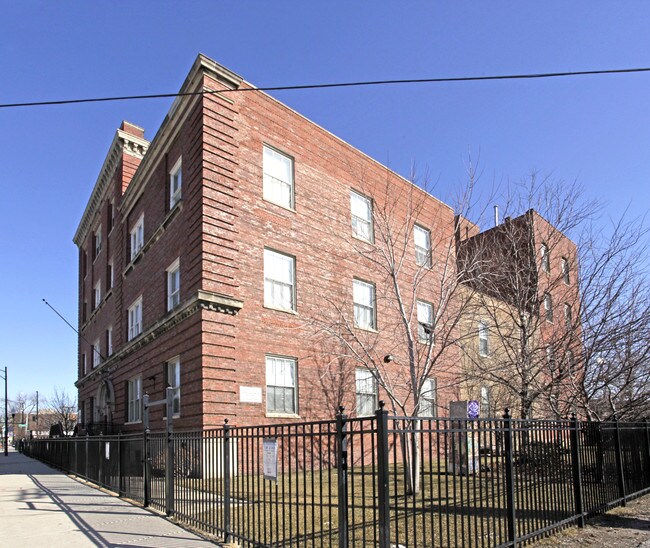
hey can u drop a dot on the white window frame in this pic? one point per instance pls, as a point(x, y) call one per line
point(365, 388)
point(483, 339)
point(134, 399)
point(568, 317)
point(278, 379)
point(135, 319)
point(97, 354)
point(279, 292)
point(566, 276)
point(550, 357)
point(137, 236)
point(97, 294)
point(175, 183)
point(362, 225)
point(174, 381)
point(109, 341)
point(278, 187)
point(422, 252)
point(545, 257)
point(429, 398)
point(548, 307)
point(425, 323)
point(173, 285)
point(365, 314)
point(97, 242)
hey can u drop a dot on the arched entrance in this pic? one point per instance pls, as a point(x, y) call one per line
point(105, 401)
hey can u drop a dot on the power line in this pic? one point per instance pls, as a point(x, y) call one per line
point(332, 85)
point(75, 330)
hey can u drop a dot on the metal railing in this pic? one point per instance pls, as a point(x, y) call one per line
point(378, 480)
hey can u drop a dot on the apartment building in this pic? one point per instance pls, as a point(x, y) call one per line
point(211, 258)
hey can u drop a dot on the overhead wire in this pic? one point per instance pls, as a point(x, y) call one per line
point(331, 85)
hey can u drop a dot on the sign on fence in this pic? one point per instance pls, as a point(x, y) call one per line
point(270, 450)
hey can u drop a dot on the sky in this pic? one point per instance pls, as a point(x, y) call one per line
point(595, 129)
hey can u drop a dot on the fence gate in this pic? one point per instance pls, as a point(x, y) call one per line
point(169, 463)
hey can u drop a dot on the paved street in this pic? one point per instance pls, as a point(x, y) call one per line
point(41, 507)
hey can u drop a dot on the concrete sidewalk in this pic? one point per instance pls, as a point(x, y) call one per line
point(41, 507)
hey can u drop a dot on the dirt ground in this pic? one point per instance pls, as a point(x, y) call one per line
point(627, 527)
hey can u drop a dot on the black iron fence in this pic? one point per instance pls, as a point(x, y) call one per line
point(380, 480)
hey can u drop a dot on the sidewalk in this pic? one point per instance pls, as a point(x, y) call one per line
point(41, 507)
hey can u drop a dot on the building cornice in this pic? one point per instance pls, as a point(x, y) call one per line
point(201, 300)
point(178, 112)
point(123, 142)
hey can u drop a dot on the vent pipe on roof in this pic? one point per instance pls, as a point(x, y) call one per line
point(496, 215)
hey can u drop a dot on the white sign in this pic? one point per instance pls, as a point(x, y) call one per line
point(250, 394)
point(108, 450)
point(270, 451)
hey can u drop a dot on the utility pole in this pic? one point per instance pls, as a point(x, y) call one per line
point(37, 427)
point(6, 436)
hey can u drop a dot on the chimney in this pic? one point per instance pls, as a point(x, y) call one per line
point(496, 215)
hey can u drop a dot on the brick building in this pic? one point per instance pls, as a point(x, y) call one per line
point(208, 257)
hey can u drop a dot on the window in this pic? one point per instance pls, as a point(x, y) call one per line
point(97, 294)
point(485, 401)
point(137, 237)
point(422, 239)
point(111, 217)
point(175, 183)
point(97, 355)
point(483, 341)
point(135, 319)
point(174, 381)
point(280, 385)
point(134, 398)
point(174, 285)
point(428, 398)
point(548, 307)
point(109, 274)
point(565, 270)
point(278, 178)
point(570, 361)
point(109, 341)
point(363, 295)
point(279, 280)
point(97, 241)
point(83, 363)
point(361, 208)
point(550, 357)
point(568, 321)
point(545, 258)
point(425, 322)
point(366, 392)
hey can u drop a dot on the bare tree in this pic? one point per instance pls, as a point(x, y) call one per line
point(526, 309)
point(615, 320)
point(400, 325)
point(61, 409)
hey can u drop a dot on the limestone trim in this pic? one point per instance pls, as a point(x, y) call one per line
point(122, 142)
point(201, 300)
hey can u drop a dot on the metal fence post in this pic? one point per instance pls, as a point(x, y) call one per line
point(119, 464)
point(382, 476)
point(169, 469)
point(510, 484)
point(145, 451)
point(577, 469)
point(342, 475)
point(226, 482)
point(619, 463)
point(646, 469)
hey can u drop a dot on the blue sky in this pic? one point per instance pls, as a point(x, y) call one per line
point(595, 129)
